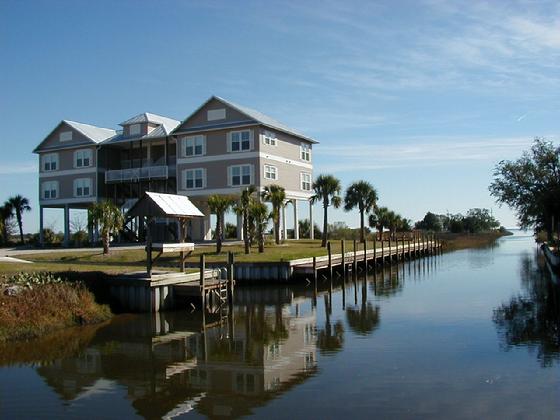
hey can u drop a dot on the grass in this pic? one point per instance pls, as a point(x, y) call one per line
point(456, 241)
point(126, 260)
point(43, 308)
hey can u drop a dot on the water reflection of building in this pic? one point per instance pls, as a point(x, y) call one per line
point(172, 363)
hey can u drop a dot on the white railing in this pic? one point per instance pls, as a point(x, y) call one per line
point(135, 174)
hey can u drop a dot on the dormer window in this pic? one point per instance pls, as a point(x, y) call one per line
point(50, 162)
point(134, 129)
point(305, 152)
point(65, 136)
point(216, 114)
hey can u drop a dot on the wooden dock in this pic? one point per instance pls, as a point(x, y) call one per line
point(398, 250)
point(162, 290)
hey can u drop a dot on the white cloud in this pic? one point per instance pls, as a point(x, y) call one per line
point(420, 152)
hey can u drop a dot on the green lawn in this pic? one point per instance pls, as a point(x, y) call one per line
point(119, 261)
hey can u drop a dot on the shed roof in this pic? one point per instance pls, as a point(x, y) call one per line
point(164, 205)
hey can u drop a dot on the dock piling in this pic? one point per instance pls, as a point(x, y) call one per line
point(329, 251)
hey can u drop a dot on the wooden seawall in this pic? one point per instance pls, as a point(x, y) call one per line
point(360, 255)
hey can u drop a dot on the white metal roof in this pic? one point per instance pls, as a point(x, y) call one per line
point(254, 115)
point(97, 134)
point(152, 118)
point(175, 205)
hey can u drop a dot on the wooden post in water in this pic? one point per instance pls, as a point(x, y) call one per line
point(182, 239)
point(149, 248)
point(343, 258)
point(202, 280)
point(230, 277)
point(315, 271)
point(374, 252)
point(408, 240)
point(397, 249)
point(329, 251)
point(314, 302)
point(355, 262)
point(365, 254)
point(382, 252)
point(403, 249)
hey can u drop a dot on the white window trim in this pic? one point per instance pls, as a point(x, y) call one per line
point(50, 185)
point(87, 182)
point(303, 146)
point(184, 146)
point(43, 161)
point(270, 137)
point(265, 171)
point(301, 175)
point(89, 152)
point(251, 174)
point(65, 136)
point(229, 141)
point(184, 178)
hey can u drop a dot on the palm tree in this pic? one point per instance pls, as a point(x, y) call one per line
point(396, 222)
point(327, 189)
point(276, 195)
point(379, 220)
point(110, 219)
point(242, 208)
point(363, 195)
point(19, 205)
point(218, 205)
point(260, 215)
point(5, 215)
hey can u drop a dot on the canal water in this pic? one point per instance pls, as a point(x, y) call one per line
point(468, 334)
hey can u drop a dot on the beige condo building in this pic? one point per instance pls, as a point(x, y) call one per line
point(220, 148)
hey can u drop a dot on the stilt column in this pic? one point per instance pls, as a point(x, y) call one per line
point(296, 219)
point(66, 225)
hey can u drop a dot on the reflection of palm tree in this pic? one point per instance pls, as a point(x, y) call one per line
point(532, 319)
point(363, 320)
point(331, 338)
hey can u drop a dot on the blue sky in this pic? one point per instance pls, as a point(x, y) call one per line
point(421, 98)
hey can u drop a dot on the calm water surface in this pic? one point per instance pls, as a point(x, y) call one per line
point(470, 334)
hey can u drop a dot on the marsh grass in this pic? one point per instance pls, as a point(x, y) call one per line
point(40, 309)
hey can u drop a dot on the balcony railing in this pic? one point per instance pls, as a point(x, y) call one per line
point(136, 174)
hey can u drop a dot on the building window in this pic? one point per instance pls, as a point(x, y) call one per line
point(134, 129)
point(269, 138)
point(50, 162)
point(240, 175)
point(65, 136)
point(305, 151)
point(49, 190)
point(194, 178)
point(216, 114)
point(306, 181)
point(82, 158)
point(270, 172)
point(194, 146)
point(240, 141)
point(82, 187)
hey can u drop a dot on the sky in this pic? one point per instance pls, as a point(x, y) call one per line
point(420, 98)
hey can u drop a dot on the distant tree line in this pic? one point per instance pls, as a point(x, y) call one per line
point(475, 221)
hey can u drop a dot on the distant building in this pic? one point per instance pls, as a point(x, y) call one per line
point(221, 148)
